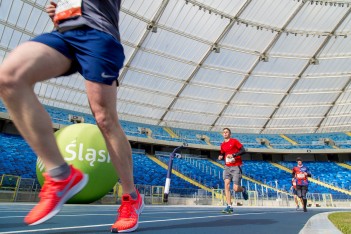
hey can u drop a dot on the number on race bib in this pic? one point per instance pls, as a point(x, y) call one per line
point(300, 176)
point(229, 160)
point(67, 9)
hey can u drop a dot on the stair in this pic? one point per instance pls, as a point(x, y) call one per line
point(170, 132)
point(162, 164)
point(288, 139)
point(165, 166)
point(313, 180)
point(347, 166)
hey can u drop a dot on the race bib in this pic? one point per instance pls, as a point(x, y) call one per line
point(67, 9)
point(229, 160)
point(300, 176)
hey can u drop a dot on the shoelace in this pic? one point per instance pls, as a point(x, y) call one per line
point(48, 190)
point(125, 210)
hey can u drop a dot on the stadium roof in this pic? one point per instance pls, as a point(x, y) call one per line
point(257, 66)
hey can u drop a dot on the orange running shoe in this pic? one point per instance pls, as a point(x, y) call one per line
point(54, 194)
point(128, 214)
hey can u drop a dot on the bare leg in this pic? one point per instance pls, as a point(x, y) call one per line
point(238, 188)
point(102, 100)
point(227, 191)
point(27, 64)
point(296, 200)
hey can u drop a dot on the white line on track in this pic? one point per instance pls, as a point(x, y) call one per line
point(150, 221)
point(115, 213)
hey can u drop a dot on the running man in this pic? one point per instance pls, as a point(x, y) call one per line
point(231, 151)
point(294, 192)
point(300, 174)
point(86, 39)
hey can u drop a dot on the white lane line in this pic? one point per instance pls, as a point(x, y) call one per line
point(150, 221)
point(115, 213)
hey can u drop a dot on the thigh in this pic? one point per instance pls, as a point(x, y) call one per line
point(298, 191)
point(227, 174)
point(33, 61)
point(294, 191)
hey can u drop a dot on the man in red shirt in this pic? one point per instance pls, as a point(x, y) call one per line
point(231, 149)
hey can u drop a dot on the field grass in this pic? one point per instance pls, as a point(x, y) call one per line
point(342, 220)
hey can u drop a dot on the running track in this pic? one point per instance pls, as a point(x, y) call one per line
point(160, 219)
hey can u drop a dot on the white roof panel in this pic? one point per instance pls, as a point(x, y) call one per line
point(281, 66)
point(247, 38)
point(188, 19)
point(231, 60)
point(179, 46)
point(248, 111)
point(270, 84)
point(162, 65)
point(260, 66)
point(217, 78)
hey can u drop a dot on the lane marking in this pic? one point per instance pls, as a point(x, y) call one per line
point(114, 214)
point(149, 221)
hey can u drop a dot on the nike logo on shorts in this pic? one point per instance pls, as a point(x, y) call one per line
point(103, 75)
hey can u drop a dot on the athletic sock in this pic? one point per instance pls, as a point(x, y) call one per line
point(60, 173)
point(134, 195)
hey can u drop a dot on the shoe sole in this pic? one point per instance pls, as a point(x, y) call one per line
point(227, 212)
point(73, 191)
point(114, 230)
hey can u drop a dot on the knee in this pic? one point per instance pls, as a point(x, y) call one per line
point(105, 121)
point(9, 83)
point(236, 188)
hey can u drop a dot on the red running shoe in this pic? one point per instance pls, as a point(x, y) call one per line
point(128, 214)
point(54, 194)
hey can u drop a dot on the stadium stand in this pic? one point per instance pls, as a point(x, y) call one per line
point(16, 157)
point(13, 147)
point(327, 172)
point(304, 141)
point(309, 141)
point(147, 172)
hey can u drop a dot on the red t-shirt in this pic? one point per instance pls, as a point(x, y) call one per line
point(232, 146)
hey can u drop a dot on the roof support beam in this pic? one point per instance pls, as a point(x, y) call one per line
point(333, 105)
point(271, 44)
point(210, 50)
point(154, 21)
point(325, 42)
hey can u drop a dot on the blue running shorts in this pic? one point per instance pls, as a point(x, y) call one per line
point(96, 55)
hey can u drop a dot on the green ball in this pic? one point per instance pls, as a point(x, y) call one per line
point(83, 146)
